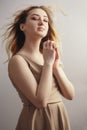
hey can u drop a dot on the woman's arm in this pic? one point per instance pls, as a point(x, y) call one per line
point(45, 85)
point(23, 78)
point(65, 85)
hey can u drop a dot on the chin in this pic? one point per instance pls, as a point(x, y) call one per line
point(42, 35)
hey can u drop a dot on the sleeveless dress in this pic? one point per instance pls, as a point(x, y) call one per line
point(53, 117)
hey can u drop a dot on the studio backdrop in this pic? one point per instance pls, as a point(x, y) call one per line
point(71, 23)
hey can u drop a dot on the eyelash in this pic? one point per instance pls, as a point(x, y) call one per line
point(46, 21)
point(38, 19)
point(34, 18)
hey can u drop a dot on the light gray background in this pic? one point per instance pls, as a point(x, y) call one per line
point(73, 31)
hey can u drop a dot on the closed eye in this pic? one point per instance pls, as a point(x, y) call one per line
point(35, 18)
point(45, 20)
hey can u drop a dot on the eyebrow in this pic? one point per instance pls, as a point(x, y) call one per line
point(39, 15)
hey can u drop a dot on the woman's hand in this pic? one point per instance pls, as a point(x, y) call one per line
point(49, 52)
point(57, 61)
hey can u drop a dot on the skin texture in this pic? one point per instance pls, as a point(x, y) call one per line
point(35, 28)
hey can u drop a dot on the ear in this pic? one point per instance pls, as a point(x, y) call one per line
point(22, 27)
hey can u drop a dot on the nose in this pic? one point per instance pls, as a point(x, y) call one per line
point(40, 21)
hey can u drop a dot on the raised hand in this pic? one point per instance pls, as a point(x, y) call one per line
point(57, 58)
point(49, 52)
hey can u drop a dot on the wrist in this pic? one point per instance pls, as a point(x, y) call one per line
point(48, 68)
point(48, 64)
point(56, 69)
point(57, 64)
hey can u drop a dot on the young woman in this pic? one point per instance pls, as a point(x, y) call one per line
point(36, 72)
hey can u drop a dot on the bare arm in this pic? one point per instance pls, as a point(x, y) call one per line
point(66, 86)
point(23, 78)
point(45, 84)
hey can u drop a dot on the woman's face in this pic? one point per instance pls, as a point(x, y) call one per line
point(36, 23)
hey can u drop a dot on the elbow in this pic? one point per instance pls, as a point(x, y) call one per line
point(43, 103)
point(71, 96)
point(39, 103)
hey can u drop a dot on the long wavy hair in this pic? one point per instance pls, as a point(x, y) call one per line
point(16, 38)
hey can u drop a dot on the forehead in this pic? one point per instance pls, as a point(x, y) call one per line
point(38, 11)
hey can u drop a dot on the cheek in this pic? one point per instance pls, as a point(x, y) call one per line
point(47, 28)
point(29, 27)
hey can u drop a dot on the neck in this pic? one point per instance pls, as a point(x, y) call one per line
point(32, 45)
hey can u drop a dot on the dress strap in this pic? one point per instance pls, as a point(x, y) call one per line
point(25, 58)
point(29, 60)
point(31, 63)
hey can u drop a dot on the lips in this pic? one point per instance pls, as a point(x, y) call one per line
point(41, 28)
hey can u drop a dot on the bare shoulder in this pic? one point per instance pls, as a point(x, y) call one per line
point(19, 71)
point(17, 64)
point(16, 59)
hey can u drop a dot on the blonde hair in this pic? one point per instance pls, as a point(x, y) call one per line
point(16, 38)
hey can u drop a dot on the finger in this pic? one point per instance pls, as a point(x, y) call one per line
point(48, 43)
point(44, 45)
point(57, 54)
point(52, 44)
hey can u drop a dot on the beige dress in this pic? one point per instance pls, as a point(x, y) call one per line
point(53, 117)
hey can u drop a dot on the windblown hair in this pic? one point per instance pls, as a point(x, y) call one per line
point(16, 38)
